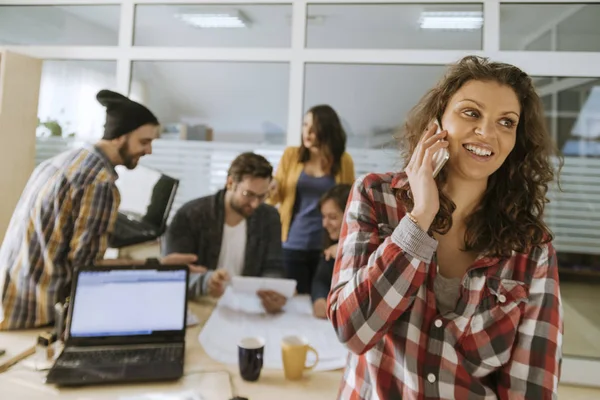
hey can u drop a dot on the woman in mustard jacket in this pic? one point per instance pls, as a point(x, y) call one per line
point(303, 175)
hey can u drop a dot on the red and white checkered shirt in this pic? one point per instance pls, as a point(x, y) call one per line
point(502, 341)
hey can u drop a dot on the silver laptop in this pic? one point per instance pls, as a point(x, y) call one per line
point(126, 324)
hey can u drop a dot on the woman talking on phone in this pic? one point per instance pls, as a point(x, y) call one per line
point(447, 288)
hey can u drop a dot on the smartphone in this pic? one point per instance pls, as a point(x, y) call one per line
point(441, 156)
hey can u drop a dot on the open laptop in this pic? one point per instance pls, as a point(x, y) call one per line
point(147, 197)
point(126, 324)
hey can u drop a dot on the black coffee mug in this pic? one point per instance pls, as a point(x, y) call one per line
point(250, 357)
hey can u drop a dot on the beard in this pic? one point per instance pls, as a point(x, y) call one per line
point(244, 211)
point(130, 161)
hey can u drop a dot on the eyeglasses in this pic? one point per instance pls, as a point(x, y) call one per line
point(250, 195)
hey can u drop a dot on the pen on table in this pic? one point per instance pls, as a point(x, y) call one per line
point(21, 356)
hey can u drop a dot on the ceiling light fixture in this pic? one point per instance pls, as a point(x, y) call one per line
point(214, 20)
point(451, 20)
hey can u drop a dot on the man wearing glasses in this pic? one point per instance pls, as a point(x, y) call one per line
point(232, 232)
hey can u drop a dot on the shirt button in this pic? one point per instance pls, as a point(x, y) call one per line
point(502, 298)
point(438, 323)
point(431, 378)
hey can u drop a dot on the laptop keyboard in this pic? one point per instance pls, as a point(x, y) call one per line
point(140, 355)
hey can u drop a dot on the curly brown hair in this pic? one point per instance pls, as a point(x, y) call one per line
point(510, 215)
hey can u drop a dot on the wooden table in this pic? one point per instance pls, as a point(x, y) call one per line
point(210, 378)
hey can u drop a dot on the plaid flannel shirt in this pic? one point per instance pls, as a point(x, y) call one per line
point(502, 341)
point(62, 221)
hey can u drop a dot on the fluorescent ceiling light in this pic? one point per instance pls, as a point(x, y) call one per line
point(451, 20)
point(213, 20)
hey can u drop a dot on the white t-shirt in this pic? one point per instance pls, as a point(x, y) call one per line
point(233, 248)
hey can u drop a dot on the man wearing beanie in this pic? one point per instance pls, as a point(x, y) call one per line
point(65, 214)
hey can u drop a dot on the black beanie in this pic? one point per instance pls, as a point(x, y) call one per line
point(123, 115)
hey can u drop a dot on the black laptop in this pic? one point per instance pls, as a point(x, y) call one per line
point(147, 197)
point(126, 324)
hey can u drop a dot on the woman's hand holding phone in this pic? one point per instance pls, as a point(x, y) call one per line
point(420, 176)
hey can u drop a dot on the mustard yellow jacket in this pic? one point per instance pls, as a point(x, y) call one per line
point(287, 175)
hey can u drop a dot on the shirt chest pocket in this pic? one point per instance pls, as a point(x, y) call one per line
point(490, 334)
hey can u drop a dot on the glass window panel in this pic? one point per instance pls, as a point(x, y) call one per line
point(370, 99)
point(96, 25)
point(395, 26)
point(575, 123)
point(550, 27)
point(238, 101)
point(233, 25)
point(67, 104)
point(573, 214)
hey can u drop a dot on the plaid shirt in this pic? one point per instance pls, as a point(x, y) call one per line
point(502, 341)
point(62, 221)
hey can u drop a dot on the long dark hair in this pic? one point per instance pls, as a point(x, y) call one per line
point(339, 194)
point(330, 135)
point(510, 215)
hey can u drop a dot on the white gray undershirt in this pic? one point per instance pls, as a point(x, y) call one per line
point(417, 243)
point(447, 291)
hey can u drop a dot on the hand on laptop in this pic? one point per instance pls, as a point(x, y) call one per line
point(187, 259)
point(217, 281)
point(272, 301)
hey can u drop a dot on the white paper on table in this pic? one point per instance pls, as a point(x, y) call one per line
point(227, 326)
point(243, 302)
point(252, 284)
point(241, 295)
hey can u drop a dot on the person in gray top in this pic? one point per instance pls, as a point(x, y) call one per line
point(232, 232)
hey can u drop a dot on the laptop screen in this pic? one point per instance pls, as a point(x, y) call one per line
point(128, 302)
point(146, 194)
